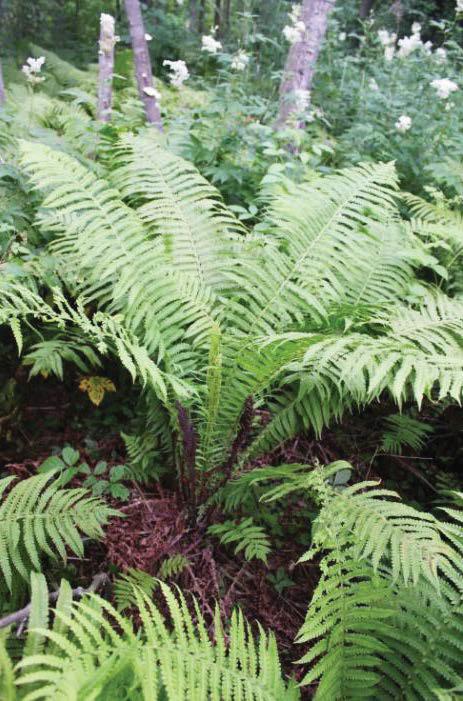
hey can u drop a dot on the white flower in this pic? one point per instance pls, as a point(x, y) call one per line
point(36, 63)
point(389, 52)
point(385, 38)
point(148, 37)
point(403, 124)
point(178, 72)
point(342, 36)
point(373, 85)
point(444, 87)
point(295, 13)
point(409, 44)
point(459, 7)
point(293, 33)
point(32, 68)
point(428, 47)
point(388, 41)
point(240, 60)
point(152, 92)
point(210, 44)
point(441, 55)
point(416, 28)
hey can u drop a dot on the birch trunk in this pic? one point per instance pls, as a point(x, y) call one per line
point(302, 58)
point(2, 88)
point(106, 67)
point(142, 63)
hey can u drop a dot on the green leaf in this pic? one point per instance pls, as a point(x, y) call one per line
point(70, 456)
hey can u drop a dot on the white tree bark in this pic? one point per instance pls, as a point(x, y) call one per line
point(142, 63)
point(301, 61)
point(2, 88)
point(106, 67)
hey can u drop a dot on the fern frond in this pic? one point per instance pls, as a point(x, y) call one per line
point(178, 204)
point(404, 431)
point(38, 517)
point(247, 537)
point(102, 653)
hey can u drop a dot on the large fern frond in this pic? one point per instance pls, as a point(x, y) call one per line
point(101, 653)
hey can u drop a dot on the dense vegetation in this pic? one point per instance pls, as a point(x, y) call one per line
point(231, 338)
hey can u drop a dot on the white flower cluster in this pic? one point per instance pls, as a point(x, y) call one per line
point(32, 68)
point(388, 41)
point(440, 55)
point(459, 7)
point(409, 44)
point(210, 45)
point(293, 32)
point(403, 124)
point(444, 87)
point(178, 72)
point(240, 61)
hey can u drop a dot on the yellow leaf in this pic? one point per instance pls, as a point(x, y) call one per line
point(96, 387)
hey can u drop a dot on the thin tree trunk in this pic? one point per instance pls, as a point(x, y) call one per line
point(142, 63)
point(217, 15)
point(202, 16)
point(302, 58)
point(2, 88)
point(193, 21)
point(226, 17)
point(106, 67)
point(365, 8)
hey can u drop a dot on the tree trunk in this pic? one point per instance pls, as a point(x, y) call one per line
point(365, 9)
point(142, 63)
point(217, 15)
point(302, 58)
point(193, 21)
point(2, 88)
point(202, 16)
point(226, 17)
point(106, 67)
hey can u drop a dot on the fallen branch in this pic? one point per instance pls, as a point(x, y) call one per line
point(23, 614)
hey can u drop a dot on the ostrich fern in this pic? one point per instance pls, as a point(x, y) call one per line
point(313, 313)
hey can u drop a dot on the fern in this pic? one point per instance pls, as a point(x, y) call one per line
point(100, 653)
point(249, 538)
point(37, 517)
point(125, 587)
point(385, 563)
point(403, 431)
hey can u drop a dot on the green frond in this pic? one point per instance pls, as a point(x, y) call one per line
point(126, 583)
point(179, 205)
point(248, 538)
point(38, 517)
point(101, 655)
point(404, 431)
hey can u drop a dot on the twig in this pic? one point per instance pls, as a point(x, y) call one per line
point(23, 614)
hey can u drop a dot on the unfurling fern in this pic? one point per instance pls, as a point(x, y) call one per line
point(37, 517)
point(95, 653)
